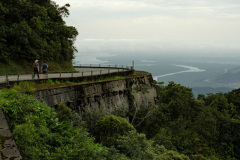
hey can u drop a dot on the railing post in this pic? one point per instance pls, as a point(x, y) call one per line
point(7, 80)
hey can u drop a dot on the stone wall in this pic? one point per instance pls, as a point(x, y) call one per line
point(9, 147)
point(110, 94)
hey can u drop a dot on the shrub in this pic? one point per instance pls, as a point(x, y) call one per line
point(64, 113)
point(25, 86)
point(199, 157)
point(57, 82)
point(110, 127)
point(172, 155)
point(40, 135)
point(92, 115)
point(164, 138)
point(135, 146)
point(50, 82)
point(115, 155)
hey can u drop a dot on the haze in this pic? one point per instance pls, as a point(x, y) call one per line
point(109, 27)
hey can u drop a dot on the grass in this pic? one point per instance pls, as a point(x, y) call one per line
point(31, 87)
point(25, 86)
point(56, 84)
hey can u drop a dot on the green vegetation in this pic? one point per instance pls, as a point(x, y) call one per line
point(34, 29)
point(201, 128)
point(110, 127)
point(25, 86)
point(103, 80)
point(30, 87)
point(41, 133)
point(141, 88)
point(179, 127)
point(111, 78)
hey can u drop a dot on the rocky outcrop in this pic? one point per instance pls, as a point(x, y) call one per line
point(9, 147)
point(108, 94)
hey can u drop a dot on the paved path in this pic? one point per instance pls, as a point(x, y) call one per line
point(82, 72)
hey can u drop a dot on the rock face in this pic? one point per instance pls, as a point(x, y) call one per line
point(9, 147)
point(110, 94)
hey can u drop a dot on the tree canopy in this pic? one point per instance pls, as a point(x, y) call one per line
point(34, 29)
point(178, 127)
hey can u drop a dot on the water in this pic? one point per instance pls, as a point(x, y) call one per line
point(202, 72)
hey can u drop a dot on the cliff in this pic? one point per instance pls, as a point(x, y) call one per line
point(108, 94)
point(134, 91)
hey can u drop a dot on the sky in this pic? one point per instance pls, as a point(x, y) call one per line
point(157, 26)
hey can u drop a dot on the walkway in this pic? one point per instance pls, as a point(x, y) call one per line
point(83, 71)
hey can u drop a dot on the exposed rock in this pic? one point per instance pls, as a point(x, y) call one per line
point(9, 148)
point(111, 94)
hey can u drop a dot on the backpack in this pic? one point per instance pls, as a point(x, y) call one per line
point(35, 66)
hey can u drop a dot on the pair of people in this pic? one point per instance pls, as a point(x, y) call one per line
point(43, 69)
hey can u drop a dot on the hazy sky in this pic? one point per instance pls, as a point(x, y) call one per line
point(158, 25)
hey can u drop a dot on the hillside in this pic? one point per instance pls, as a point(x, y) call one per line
point(34, 29)
point(178, 127)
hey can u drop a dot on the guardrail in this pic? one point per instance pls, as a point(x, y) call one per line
point(85, 71)
point(104, 66)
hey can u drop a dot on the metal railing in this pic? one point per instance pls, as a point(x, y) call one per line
point(103, 66)
point(84, 70)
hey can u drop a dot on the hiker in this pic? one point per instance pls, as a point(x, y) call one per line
point(36, 68)
point(44, 69)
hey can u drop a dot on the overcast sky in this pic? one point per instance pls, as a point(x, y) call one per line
point(159, 25)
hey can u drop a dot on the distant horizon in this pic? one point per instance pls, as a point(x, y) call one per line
point(156, 27)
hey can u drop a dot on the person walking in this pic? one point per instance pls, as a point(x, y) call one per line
point(44, 69)
point(36, 69)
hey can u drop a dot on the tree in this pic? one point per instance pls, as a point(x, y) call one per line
point(34, 29)
point(110, 127)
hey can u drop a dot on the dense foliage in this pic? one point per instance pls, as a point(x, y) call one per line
point(110, 127)
point(202, 128)
point(34, 29)
point(42, 134)
point(179, 127)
